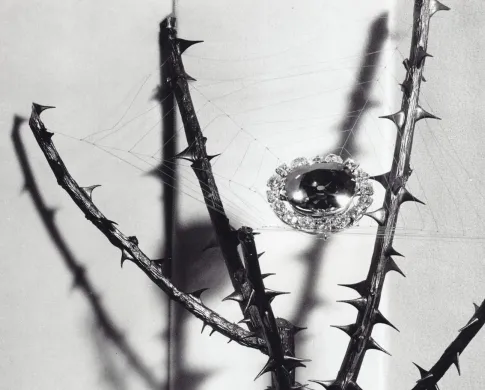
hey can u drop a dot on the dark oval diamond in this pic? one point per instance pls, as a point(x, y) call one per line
point(320, 188)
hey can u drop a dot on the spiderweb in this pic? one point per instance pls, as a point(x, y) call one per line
point(318, 94)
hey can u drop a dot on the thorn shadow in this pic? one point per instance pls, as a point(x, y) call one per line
point(81, 281)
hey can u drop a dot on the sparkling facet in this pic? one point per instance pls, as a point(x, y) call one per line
point(282, 170)
point(271, 195)
point(274, 182)
point(366, 188)
point(321, 187)
point(333, 158)
point(299, 162)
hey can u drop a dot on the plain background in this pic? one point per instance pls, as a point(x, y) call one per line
point(89, 60)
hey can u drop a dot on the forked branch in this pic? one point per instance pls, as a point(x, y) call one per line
point(129, 245)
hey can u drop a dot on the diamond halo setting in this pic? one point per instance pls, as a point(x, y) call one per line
point(321, 195)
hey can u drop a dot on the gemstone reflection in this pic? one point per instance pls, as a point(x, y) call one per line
point(322, 188)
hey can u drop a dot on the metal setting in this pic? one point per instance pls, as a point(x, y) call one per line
point(323, 211)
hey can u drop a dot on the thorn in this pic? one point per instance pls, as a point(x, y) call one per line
point(405, 196)
point(212, 332)
point(269, 366)
point(291, 362)
point(264, 276)
point(372, 344)
point(203, 327)
point(392, 252)
point(125, 255)
point(380, 319)
point(425, 375)
point(184, 44)
point(197, 293)
point(383, 179)
point(405, 87)
point(186, 154)
point(456, 362)
point(245, 321)
point(398, 118)
point(329, 385)
point(260, 254)
point(188, 77)
point(214, 156)
point(298, 329)
point(347, 329)
point(423, 114)
point(392, 266)
point(378, 215)
point(424, 79)
point(234, 296)
point(272, 294)
point(256, 234)
point(476, 307)
point(435, 6)
point(470, 323)
point(358, 303)
point(47, 134)
point(360, 287)
point(230, 340)
point(38, 108)
point(406, 64)
point(421, 55)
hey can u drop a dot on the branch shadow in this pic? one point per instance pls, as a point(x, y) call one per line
point(81, 280)
point(360, 97)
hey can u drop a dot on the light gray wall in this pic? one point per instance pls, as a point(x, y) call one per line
point(90, 60)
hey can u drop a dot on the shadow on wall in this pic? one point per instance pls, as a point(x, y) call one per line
point(359, 99)
point(105, 324)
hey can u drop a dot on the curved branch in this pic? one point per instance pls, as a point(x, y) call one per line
point(129, 245)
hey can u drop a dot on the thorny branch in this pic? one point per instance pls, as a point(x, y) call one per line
point(227, 237)
point(451, 356)
point(382, 262)
point(196, 153)
point(129, 245)
point(259, 306)
point(81, 280)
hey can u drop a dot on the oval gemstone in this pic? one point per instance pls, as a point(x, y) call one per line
point(320, 188)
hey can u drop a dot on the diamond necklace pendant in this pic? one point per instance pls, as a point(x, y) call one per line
point(323, 195)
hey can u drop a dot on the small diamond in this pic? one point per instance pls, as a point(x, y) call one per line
point(351, 164)
point(279, 207)
point(366, 188)
point(275, 182)
point(294, 220)
point(306, 222)
point(318, 159)
point(299, 162)
point(282, 170)
point(340, 222)
point(333, 158)
point(365, 201)
point(271, 195)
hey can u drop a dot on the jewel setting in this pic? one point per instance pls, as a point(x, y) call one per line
point(321, 195)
